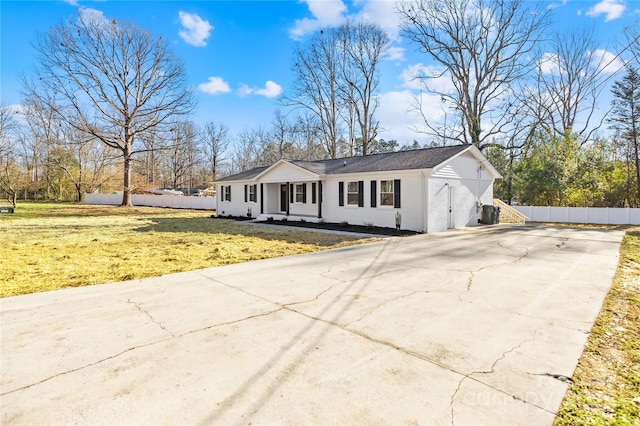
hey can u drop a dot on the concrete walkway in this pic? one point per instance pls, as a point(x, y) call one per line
point(478, 326)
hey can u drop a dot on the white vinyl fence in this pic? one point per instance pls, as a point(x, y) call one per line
point(174, 201)
point(599, 215)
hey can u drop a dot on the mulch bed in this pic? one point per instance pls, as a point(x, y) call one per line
point(374, 230)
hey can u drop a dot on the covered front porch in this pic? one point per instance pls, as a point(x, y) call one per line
point(291, 200)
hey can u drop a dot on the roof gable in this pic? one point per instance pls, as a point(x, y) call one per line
point(284, 171)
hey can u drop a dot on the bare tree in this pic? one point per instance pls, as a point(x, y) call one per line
point(215, 142)
point(337, 78)
point(364, 45)
point(111, 80)
point(570, 79)
point(9, 170)
point(483, 47)
point(632, 43)
point(180, 156)
point(317, 68)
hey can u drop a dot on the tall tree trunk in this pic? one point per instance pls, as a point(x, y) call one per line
point(126, 193)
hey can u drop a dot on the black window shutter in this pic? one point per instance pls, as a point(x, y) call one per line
point(261, 199)
point(304, 193)
point(314, 188)
point(229, 193)
point(341, 194)
point(255, 192)
point(360, 193)
point(396, 193)
point(320, 192)
point(221, 193)
point(246, 190)
point(291, 193)
point(374, 193)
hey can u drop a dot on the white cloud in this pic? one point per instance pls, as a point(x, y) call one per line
point(71, 2)
point(325, 13)
point(382, 13)
point(417, 75)
point(86, 14)
point(557, 5)
point(399, 118)
point(196, 30)
point(395, 53)
point(270, 90)
point(549, 64)
point(216, 85)
point(606, 61)
point(613, 9)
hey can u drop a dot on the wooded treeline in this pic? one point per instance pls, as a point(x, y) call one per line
point(108, 108)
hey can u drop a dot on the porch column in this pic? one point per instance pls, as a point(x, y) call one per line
point(319, 198)
point(261, 198)
point(288, 195)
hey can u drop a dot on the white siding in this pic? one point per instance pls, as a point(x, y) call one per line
point(470, 186)
point(285, 172)
point(411, 209)
point(465, 166)
point(237, 205)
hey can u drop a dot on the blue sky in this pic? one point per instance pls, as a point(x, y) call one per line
point(237, 54)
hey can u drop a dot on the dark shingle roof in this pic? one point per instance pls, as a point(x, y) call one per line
point(246, 175)
point(402, 160)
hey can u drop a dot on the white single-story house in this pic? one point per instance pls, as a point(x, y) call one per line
point(427, 190)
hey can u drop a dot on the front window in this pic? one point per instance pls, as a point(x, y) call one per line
point(227, 192)
point(300, 193)
point(252, 193)
point(386, 193)
point(352, 193)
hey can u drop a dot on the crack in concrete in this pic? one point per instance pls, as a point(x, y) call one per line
point(133, 348)
point(429, 360)
point(145, 312)
point(560, 377)
point(491, 371)
point(475, 271)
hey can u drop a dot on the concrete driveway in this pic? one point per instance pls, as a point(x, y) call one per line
point(477, 326)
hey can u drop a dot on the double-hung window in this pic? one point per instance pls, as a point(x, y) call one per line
point(386, 193)
point(352, 193)
point(226, 196)
point(301, 193)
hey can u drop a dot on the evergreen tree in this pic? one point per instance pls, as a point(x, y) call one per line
point(626, 121)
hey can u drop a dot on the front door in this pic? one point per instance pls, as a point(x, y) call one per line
point(284, 198)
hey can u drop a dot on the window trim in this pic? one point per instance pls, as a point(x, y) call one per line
point(348, 193)
point(300, 193)
point(390, 202)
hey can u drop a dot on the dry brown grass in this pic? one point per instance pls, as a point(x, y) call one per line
point(51, 246)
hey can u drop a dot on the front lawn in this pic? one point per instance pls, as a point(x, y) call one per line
point(51, 246)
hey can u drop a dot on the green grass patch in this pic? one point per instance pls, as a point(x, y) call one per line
point(51, 246)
